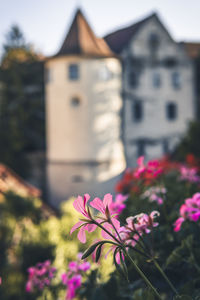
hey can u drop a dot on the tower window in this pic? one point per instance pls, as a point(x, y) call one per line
point(73, 72)
point(171, 111)
point(176, 80)
point(75, 101)
point(137, 111)
point(156, 80)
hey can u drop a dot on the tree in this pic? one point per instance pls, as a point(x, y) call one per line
point(21, 102)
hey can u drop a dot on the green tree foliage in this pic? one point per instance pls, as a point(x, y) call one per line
point(21, 102)
point(190, 143)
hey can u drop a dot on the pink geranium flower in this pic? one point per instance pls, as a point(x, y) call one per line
point(190, 210)
point(80, 205)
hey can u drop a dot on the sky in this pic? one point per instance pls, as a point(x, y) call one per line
point(45, 22)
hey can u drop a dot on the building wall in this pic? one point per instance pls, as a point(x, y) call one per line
point(84, 148)
point(155, 134)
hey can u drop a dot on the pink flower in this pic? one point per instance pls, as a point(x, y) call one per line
point(84, 266)
point(189, 174)
point(102, 205)
point(72, 279)
point(80, 206)
point(141, 167)
point(72, 285)
point(190, 210)
point(118, 206)
point(142, 223)
point(154, 193)
point(178, 224)
point(40, 276)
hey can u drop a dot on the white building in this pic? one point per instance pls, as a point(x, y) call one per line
point(86, 116)
point(158, 89)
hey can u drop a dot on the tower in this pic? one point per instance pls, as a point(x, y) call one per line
point(83, 104)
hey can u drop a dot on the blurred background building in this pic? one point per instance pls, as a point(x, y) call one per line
point(108, 100)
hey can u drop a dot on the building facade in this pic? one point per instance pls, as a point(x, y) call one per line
point(158, 88)
point(126, 95)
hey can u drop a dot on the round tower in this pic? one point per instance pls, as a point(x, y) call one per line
point(83, 104)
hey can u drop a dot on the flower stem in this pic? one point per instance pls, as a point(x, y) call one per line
point(165, 276)
point(143, 275)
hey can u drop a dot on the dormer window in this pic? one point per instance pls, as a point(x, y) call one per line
point(73, 72)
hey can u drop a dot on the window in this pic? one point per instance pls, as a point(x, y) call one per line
point(77, 178)
point(141, 148)
point(133, 79)
point(171, 111)
point(176, 82)
point(73, 72)
point(48, 75)
point(156, 80)
point(153, 41)
point(75, 101)
point(137, 111)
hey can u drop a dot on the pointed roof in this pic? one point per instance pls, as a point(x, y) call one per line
point(81, 40)
point(119, 39)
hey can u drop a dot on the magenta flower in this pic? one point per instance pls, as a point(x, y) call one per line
point(72, 279)
point(189, 174)
point(40, 276)
point(80, 205)
point(190, 210)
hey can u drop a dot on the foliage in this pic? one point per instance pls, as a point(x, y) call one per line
point(189, 144)
point(21, 102)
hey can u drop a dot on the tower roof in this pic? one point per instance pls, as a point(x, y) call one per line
point(81, 40)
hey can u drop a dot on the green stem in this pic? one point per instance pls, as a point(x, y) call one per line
point(142, 275)
point(165, 276)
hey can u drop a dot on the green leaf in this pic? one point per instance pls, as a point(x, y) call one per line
point(122, 261)
point(98, 253)
point(118, 266)
point(90, 250)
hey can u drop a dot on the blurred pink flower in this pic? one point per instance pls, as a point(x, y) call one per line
point(190, 210)
point(189, 174)
point(40, 276)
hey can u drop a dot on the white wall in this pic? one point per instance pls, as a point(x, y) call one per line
point(155, 125)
